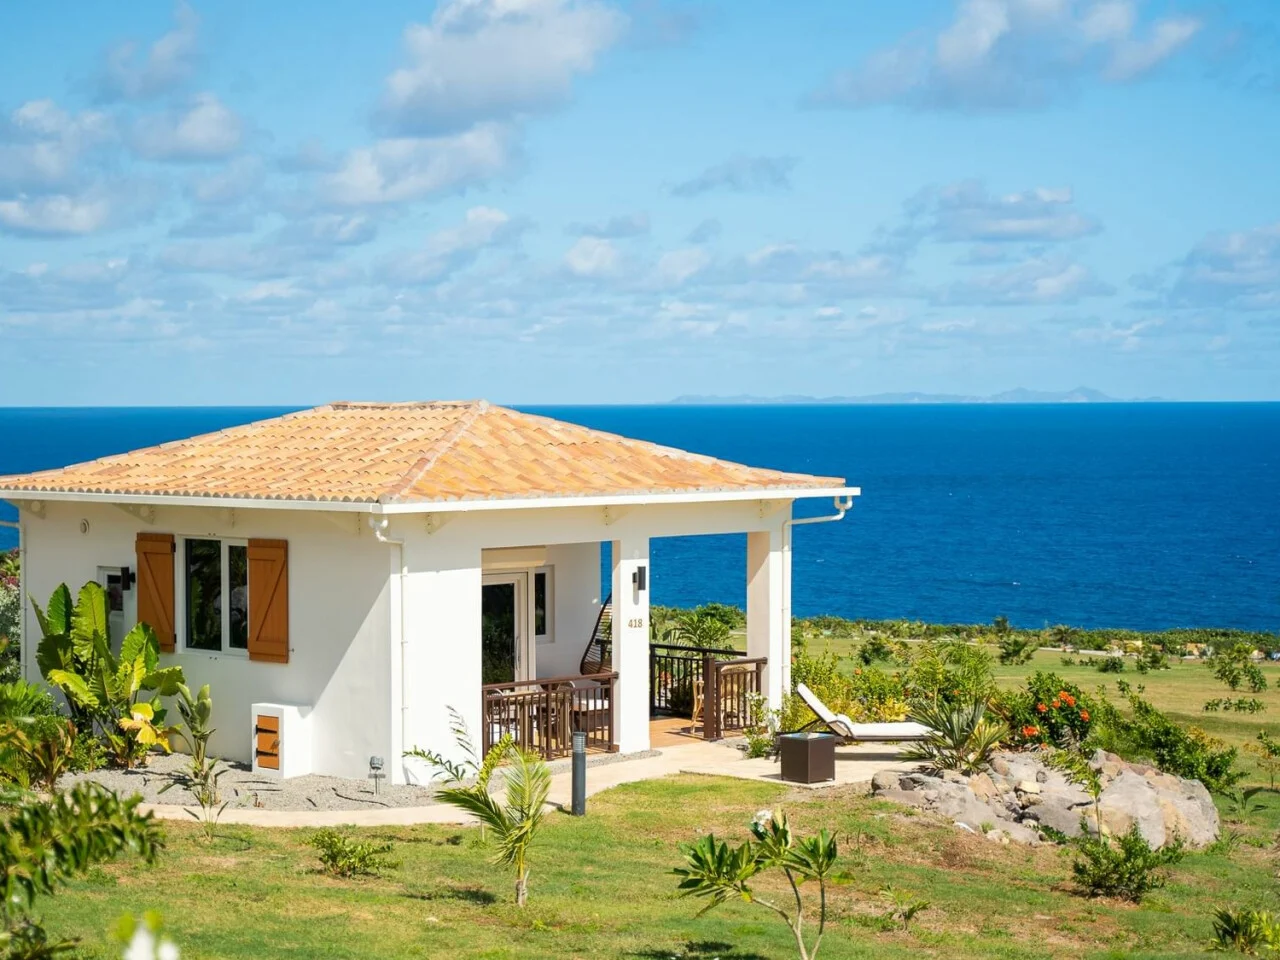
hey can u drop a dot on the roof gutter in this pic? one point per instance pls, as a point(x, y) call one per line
point(439, 506)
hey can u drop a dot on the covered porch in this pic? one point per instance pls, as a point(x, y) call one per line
point(545, 678)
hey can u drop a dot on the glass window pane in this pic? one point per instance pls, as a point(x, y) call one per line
point(540, 604)
point(204, 594)
point(238, 612)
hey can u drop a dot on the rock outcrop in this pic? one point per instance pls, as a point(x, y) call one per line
point(1018, 796)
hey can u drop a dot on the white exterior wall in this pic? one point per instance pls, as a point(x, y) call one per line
point(576, 586)
point(385, 638)
point(338, 619)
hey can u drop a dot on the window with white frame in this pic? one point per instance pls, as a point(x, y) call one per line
point(215, 595)
point(544, 604)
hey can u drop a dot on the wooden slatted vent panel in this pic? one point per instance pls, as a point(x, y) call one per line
point(266, 731)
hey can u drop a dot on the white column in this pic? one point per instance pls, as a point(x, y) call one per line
point(631, 645)
point(768, 632)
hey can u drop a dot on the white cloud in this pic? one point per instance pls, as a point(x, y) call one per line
point(677, 266)
point(1041, 280)
point(494, 60)
point(454, 248)
point(741, 174)
point(1133, 57)
point(56, 215)
point(592, 257)
point(965, 212)
point(399, 170)
point(41, 145)
point(1012, 53)
point(1238, 269)
point(207, 129)
point(129, 74)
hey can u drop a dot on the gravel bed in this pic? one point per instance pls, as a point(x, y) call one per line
point(241, 787)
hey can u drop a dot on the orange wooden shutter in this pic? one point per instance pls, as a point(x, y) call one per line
point(155, 585)
point(269, 600)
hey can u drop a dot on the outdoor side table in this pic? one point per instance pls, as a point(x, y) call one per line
point(808, 757)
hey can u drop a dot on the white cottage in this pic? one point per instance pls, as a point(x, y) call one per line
point(345, 575)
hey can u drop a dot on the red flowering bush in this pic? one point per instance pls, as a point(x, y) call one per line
point(1049, 710)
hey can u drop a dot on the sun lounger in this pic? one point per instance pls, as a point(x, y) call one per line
point(842, 726)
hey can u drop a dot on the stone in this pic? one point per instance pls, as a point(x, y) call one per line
point(886, 780)
point(983, 787)
point(1131, 799)
point(1019, 796)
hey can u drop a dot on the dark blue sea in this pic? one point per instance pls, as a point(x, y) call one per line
point(1124, 515)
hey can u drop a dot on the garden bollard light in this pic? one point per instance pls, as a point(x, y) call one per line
point(579, 808)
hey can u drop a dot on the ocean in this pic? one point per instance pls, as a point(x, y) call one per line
point(1144, 516)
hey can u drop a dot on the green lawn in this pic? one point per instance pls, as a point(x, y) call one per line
point(601, 886)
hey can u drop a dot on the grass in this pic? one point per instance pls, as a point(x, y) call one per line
point(602, 887)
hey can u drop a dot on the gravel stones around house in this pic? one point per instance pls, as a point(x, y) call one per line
point(241, 788)
point(1018, 796)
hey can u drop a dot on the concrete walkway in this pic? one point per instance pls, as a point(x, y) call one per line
point(854, 765)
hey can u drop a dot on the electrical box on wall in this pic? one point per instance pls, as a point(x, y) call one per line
point(281, 740)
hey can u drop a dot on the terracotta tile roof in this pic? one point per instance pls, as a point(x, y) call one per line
point(408, 453)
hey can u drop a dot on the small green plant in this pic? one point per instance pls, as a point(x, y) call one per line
point(903, 906)
point(961, 738)
point(1242, 801)
point(762, 732)
point(1236, 705)
point(1151, 657)
point(719, 873)
point(513, 821)
point(1267, 750)
point(1226, 844)
point(196, 712)
point(1125, 867)
point(1249, 932)
point(345, 857)
point(1234, 666)
point(1108, 664)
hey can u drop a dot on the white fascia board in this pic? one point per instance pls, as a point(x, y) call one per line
point(628, 500)
point(445, 506)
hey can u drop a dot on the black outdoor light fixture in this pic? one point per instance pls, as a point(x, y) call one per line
point(375, 772)
point(640, 578)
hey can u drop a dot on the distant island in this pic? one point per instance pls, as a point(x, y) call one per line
point(1018, 395)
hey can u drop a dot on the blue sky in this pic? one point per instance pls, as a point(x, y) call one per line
point(545, 201)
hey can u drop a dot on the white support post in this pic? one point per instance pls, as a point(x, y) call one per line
point(631, 644)
point(768, 633)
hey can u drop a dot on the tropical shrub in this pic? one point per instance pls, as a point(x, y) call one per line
point(1124, 867)
point(345, 857)
point(1233, 665)
point(1267, 750)
point(1249, 932)
point(101, 687)
point(951, 671)
point(45, 843)
point(1048, 710)
point(962, 737)
point(697, 629)
point(10, 623)
point(866, 694)
point(513, 823)
point(196, 712)
point(1234, 705)
point(718, 873)
point(1017, 648)
point(1148, 734)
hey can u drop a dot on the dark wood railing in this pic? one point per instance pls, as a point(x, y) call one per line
point(543, 715)
point(675, 676)
point(729, 694)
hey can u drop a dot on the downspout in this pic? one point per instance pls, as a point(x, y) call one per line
point(380, 526)
point(22, 594)
point(842, 506)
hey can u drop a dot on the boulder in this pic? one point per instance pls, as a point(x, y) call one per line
point(1019, 795)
